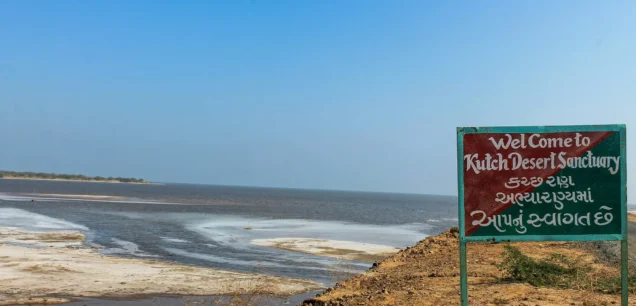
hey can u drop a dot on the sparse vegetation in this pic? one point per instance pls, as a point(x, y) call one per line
point(339, 253)
point(61, 237)
point(427, 274)
point(55, 237)
point(612, 284)
point(500, 301)
point(46, 269)
point(70, 177)
point(556, 271)
point(560, 272)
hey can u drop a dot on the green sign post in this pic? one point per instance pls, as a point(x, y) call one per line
point(556, 183)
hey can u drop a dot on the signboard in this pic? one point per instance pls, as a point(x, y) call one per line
point(541, 183)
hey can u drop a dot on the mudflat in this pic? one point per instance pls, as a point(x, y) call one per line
point(41, 267)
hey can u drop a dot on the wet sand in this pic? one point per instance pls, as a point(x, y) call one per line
point(47, 267)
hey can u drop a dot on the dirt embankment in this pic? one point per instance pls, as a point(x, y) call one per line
point(428, 274)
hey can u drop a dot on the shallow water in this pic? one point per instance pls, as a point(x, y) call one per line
point(212, 226)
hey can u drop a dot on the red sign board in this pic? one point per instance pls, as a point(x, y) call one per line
point(542, 183)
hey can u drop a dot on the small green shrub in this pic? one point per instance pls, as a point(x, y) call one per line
point(612, 285)
point(556, 271)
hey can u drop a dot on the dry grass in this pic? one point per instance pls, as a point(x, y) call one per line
point(340, 254)
point(558, 271)
point(428, 274)
point(55, 237)
point(352, 254)
point(184, 269)
point(61, 237)
point(45, 269)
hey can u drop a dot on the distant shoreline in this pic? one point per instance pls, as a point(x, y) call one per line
point(28, 175)
point(72, 180)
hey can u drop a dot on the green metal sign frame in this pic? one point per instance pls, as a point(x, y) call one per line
point(463, 239)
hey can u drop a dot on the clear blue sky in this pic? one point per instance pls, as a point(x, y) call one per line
point(354, 95)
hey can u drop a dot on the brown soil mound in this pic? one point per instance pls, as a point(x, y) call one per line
point(428, 274)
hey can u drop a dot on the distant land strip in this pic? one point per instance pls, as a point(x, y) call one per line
point(68, 177)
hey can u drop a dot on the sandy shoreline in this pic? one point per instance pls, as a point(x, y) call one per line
point(331, 248)
point(39, 266)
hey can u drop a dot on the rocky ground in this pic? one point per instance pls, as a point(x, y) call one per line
point(428, 274)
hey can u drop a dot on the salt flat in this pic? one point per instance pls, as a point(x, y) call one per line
point(331, 248)
point(38, 266)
